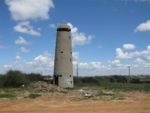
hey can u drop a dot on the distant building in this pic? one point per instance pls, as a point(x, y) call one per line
point(63, 69)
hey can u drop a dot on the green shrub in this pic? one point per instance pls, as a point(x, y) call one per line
point(34, 95)
point(34, 77)
point(17, 78)
point(14, 79)
point(118, 79)
point(7, 95)
point(135, 80)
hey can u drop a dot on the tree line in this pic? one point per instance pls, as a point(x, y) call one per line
point(14, 78)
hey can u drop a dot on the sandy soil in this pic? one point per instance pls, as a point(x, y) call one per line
point(136, 102)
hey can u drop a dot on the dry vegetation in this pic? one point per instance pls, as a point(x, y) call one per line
point(42, 97)
point(114, 95)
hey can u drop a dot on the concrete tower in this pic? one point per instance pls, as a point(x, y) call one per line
point(63, 72)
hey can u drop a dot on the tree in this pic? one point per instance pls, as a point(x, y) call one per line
point(14, 79)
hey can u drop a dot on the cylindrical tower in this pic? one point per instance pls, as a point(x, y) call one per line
point(63, 71)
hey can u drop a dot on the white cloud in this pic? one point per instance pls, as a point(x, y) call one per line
point(146, 53)
point(116, 67)
point(44, 63)
point(90, 65)
point(40, 64)
point(90, 68)
point(115, 63)
point(21, 41)
point(75, 56)
point(86, 68)
point(120, 54)
point(140, 61)
point(145, 26)
point(79, 38)
point(126, 55)
point(7, 66)
point(41, 58)
point(73, 28)
point(29, 9)
point(129, 46)
point(24, 50)
point(148, 47)
point(18, 58)
point(25, 27)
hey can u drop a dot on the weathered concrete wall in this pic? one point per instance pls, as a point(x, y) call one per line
point(63, 71)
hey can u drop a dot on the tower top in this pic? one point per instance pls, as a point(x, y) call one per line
point(64, 27)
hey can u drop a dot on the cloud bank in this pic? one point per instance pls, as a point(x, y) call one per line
point(29, 9)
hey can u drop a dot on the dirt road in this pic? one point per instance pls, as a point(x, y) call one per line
point(140, 103)
point(39, 106)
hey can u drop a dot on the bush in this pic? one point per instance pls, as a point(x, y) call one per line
point(34, 95)
point(17, 78)
point(14, 79)
point(34, 77)
point(135, 80)
point(118, 79)
point(8, 95)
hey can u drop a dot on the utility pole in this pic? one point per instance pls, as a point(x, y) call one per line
point(77, 71)
point(129, 70)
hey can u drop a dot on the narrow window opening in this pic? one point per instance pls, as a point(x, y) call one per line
point(60, 75)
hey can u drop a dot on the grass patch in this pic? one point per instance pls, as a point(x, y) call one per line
point(117, 86)
point(33, 95)
point(126, 86)
point(8, 95)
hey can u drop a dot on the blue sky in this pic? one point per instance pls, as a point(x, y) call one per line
point(108, 35)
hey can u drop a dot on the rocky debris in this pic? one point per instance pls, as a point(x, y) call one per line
point(42, 86)
point(59, 89)
point(108, 92)
point(87, 92)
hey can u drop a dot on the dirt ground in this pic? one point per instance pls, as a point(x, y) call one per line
point(136, 102)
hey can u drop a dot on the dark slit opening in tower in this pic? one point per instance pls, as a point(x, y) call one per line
point(56, 79)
